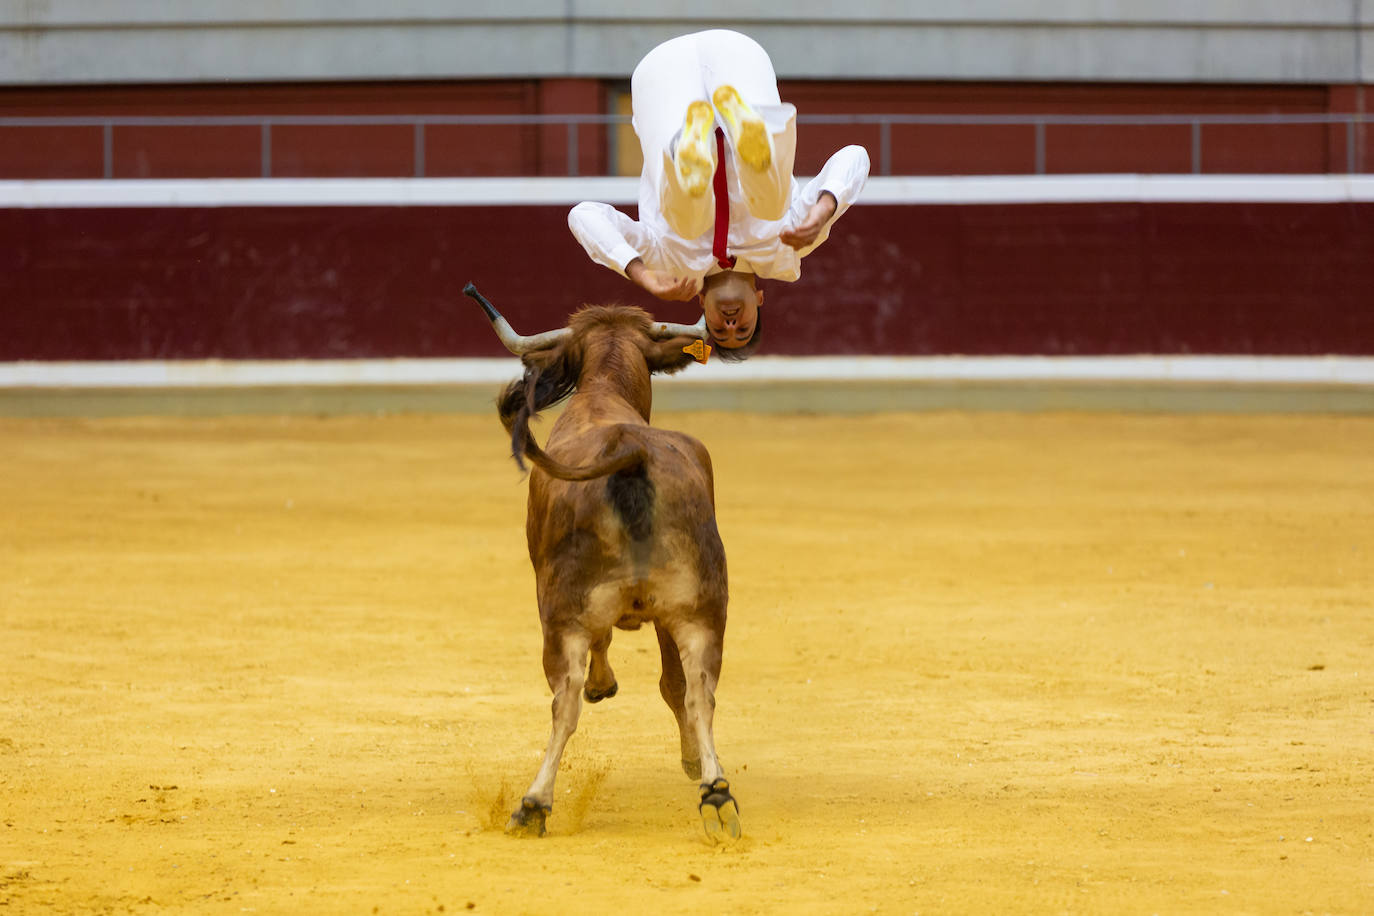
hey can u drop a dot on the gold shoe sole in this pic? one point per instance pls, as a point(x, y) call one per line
point(747, 130)
point(695, 159)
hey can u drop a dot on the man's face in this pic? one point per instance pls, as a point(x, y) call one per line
point(732, 313)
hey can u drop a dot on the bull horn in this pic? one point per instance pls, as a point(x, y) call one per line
point(518, 344)
point(667, 329)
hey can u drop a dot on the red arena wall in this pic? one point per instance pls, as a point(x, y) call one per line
point(349, 281)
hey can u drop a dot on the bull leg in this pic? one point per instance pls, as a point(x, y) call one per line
point(565, 666)
point(700, 653)
point(601, 683)
point(673, 686)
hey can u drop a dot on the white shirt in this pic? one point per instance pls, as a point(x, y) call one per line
point(613, 240)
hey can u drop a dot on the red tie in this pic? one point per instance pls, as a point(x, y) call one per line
point(722, 206)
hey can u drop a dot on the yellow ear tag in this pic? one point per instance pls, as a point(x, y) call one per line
point(700, 350)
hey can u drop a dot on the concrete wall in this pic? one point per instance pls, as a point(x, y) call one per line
point(45, 42)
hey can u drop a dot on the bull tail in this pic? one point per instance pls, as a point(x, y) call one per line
point(627, 456)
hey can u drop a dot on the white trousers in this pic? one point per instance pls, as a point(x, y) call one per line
point(689, 69)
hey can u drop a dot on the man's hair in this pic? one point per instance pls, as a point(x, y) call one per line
point(739, 354)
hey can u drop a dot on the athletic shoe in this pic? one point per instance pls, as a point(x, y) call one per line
point(747, 131)
point(695, 157)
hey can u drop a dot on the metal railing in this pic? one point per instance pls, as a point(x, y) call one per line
point(1042, 124)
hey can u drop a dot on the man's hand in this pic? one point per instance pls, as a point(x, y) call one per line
point(661, 284)
point(810, 228)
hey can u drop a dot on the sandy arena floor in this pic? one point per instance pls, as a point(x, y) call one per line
point(976, 663)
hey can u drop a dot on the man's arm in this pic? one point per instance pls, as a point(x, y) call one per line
point(826, 197)
point(821, 212)
point(609, 236)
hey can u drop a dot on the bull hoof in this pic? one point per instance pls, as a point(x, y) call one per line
point(719, 812)
point(692, 768)
point(596, 696)
point(528, 819)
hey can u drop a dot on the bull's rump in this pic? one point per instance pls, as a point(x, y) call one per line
point(636, 544)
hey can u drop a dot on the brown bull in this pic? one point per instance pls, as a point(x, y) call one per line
point(622, 530)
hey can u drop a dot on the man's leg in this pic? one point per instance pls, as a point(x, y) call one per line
point(730, 59)
point(663, 87)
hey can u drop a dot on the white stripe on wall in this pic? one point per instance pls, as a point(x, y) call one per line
point(1242, 370)
point(370, 192)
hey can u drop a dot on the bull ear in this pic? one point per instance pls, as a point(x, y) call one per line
point(670, 355)
point(552, 359)
point(551, 374)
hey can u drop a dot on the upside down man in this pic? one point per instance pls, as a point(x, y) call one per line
point(718, 207)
